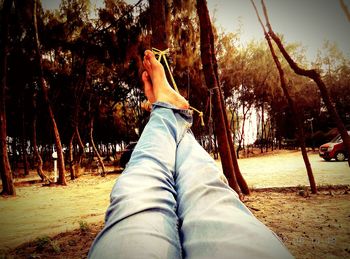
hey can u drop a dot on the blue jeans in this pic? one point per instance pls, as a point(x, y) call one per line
point(171, 203)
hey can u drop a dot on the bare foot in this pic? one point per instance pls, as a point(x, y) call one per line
point(148, 89)
point(162, 91)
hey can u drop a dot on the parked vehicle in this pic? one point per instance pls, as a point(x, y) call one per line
point(334, 149)
point(126, 154)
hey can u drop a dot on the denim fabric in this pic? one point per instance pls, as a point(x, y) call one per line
point(170, 202)
point(213, 222)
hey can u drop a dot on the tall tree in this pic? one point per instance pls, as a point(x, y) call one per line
point(295, 111)
point(207, 55)
point(43, 84)
point(99, 158)
point(158, 16)
point(5, 169)
point(37, 156)
point(24, 139)
point(316, 77)
point(237, 172)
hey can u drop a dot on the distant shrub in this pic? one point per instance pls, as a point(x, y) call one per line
point(55, 247)
point(83, 226)
point(42, 242)
point(45, 242)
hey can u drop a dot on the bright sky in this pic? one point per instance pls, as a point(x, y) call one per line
point(309, 22)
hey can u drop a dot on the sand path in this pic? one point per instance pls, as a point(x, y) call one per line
point(38, 211)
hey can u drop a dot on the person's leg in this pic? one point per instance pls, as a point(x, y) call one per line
point(214, 223)
point(141, 221)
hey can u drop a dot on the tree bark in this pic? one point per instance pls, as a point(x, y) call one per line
point(239, 177)
point(292, 105)
point(316, 77)
point(8, 187)
point(81, 146)
point(37, 156)
point(262, 128)
point(158, 24)
point(15, 158)
point(212, 83)
point(78, 87)
point(24, 142)
point(345, 9)
point(242, 135)
point(99, 158)
point(60, 160)
point(71, 160)
point(78, 95)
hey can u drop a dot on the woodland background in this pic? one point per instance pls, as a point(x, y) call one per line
point(69, 76)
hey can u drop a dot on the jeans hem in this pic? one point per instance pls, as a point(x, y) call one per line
point(186, 114)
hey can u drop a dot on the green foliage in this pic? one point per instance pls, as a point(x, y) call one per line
point(45, 242)
point(55, 247)
point(42, 242)
point(83, 226)
point(93, 63)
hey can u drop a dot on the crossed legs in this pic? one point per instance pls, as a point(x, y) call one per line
point(170, 202)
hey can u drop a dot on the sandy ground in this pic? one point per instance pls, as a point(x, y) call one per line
point(286, 168)
point(38, 211)
point(309, 226)
point(315, 226)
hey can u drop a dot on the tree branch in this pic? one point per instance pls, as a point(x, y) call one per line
point(314, 75)
point(345, 9)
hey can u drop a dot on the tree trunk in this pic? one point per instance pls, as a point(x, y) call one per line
point(37, 156)
point(81, 146)
point(262, 129)
point(216, 154)
point(14, 160)
point(71, 161)
point(8, 187)
point(315, 76)
point(294, 109)
point(78, 91)
point(241, 138)
point(158, 24)
point(24, 143)
point(99, 158)
point(212, 83)
point(239, 177)
point(304, 154)
point(43, 85)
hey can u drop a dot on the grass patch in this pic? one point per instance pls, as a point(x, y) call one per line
point(42, 242)
point(45, 243)
point(84, 226)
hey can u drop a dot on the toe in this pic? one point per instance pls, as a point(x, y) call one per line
point(147, 65)
point(145, 77)
point(149, 55)
point(148, 89)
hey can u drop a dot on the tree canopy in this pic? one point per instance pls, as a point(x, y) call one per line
point(92, 65)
